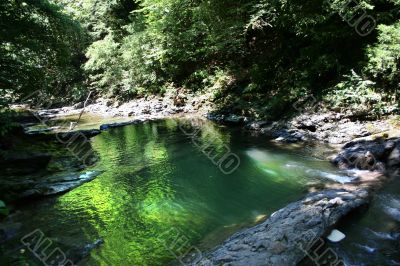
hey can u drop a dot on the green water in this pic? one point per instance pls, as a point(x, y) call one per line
point(161, 197)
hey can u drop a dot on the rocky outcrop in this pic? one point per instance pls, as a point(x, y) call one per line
point(334, 128)
point(373, 155)
point(284, 238)
point(60, 183)
point(328, 127)
point(19, 188)
point(139, 120)
point(231, 119)
point(171, 103)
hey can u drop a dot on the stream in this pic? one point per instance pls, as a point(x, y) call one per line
point(373, 237)
point(161, 197)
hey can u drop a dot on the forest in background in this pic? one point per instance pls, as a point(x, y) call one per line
point(257, 56)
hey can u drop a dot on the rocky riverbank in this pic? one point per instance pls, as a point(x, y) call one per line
point(26, 154)
point(152, 106)
point(371, 146)
point(39, 167)
point(298, 230)
point(329, 127)
point(287, 236)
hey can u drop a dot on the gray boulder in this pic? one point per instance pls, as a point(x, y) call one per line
point(373, 155)
point(234, 119)
point(286, 237)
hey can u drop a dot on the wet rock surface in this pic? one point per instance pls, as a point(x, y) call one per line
point(230, 119)
point(59, 184)
point(50, 134)
point(334, 128)
point(138, 120)
point(45, 164)
point(374, 155)
point(25, 187)
point(284, 237)
point(78, 254)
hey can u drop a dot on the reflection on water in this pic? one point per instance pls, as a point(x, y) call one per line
point(156, 183)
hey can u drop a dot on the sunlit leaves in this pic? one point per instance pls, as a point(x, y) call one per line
point(384, 56)
point(40, 47)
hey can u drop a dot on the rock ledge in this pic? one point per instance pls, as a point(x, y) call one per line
point(282, 239)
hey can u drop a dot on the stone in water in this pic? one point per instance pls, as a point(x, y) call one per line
point(336, 236)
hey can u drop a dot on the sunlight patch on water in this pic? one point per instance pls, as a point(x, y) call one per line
point(285, 166)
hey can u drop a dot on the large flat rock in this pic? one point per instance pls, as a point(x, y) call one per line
point(283, 238)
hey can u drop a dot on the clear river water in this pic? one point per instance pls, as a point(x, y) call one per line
point(160, 196)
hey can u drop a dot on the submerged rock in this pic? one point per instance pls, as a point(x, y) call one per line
point(60, 184)
point(79, 254)
point(89, 133)
point(286, 237)
point(257, 125)
point(53, 185)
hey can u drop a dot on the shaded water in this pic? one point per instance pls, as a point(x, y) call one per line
point(373, 236)
point(160, 196)
point(87, 121)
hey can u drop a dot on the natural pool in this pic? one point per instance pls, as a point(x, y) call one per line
point(160, 196)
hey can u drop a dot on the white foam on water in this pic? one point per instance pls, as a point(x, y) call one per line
point(88, 174)
point(343, 179)
point(348, 263)
point(391, 206)
point(266, 157)
point(395, 203)
point(270, 172)
point(295, 166)
point(393, 212)
point(384, 235)
point(260, 155)
point(366, 248)
point(393, 262)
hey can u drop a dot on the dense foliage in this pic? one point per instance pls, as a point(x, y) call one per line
point(41, 49)
point(263, 54)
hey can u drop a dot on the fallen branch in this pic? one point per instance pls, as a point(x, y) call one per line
point(74, 124)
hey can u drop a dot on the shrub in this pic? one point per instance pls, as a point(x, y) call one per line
point(357, 95)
